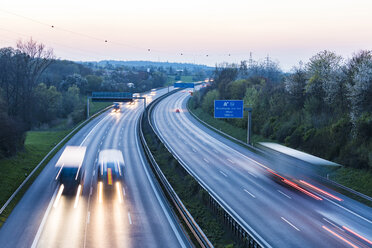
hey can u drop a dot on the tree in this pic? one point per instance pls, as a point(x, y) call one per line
point(324, 71)
point(47, 102)
point(295, 85)
point(93, 83)
point(360, 84)
point(75, 79)
point(70, 99)
point(32, 59)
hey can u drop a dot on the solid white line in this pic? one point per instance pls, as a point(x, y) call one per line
point(349, 211)
point(91, 190)
point(42, 224)
point(123, 191)
point(289, 223)
point(284, 194)
point(94, 172)
point(265, 243)
point(230, 161)
point(223, 173)
point(130, 219)
point(333, 224)
point(170, 220)
point(249, 193)
point(88, 217)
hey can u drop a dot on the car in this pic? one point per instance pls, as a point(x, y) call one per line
point(70, 173)
point(110, 174)
point(177, 111)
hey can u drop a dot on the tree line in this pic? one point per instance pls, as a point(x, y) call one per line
point(323, 107)
point(36, 90)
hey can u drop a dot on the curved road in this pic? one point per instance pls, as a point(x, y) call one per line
point(281, 214)
point(143, 219)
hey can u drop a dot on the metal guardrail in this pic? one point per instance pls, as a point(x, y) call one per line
point(186, 216)
point(46, 156)
point(239, 226)
point(261, 150)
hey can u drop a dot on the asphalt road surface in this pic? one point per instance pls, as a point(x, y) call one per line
point(283, 213)
point(137, 216)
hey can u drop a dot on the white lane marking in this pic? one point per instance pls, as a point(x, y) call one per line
point(216, 141)
point(130, 219)
point(42, 224)
point(230, 161)
point(284, 194)
point(349, 210)
point(93, 130)
point(250, 193)
point(266, 244)
point(91, 190)
point(170, 220)
point(206, 160)
point(119, 143)
point(94, 172)
point(333, 224)
point(185, 142)
point(101, 143)
point(253, 175)
point(96, 160)
point(193, 149)
point(289, 223)
point(99, 149)
point(123, 191)
point(88, 217)
point(215, 151)
point(223, 173)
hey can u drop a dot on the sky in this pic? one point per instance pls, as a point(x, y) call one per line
point(196, 31)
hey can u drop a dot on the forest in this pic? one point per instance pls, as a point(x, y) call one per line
point(323, 107)
point(39, 91)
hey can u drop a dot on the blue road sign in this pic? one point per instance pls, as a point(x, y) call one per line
point(228, 108)
point(184, 85)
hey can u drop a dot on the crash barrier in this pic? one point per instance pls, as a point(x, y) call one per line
point(194, 228)
point(242, 231)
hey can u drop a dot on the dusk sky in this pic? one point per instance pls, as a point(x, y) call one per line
point(288, 30)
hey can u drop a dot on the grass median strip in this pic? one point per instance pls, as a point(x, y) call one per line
point(192, 195)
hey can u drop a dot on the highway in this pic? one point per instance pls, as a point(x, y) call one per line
point(283, 214)
point(139, 216)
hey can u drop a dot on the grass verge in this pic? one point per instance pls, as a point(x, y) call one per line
point(171, 79)
point(15, 169)
point(359, 180)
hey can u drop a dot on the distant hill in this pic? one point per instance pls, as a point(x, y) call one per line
point(176, 66)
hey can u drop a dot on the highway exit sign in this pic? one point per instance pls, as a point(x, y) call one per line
point(228, 108)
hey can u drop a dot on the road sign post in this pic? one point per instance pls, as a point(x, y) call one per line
point(88, 107)
point(249, 125)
